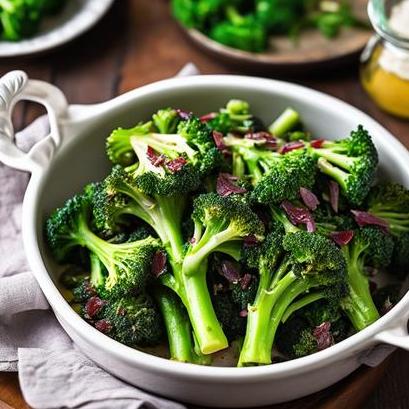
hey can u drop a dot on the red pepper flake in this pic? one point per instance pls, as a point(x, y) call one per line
point(342, 238)
point(225, 185)
point(183, 114)
point(245, 281)
point(218, 140)
point(230, 271)
point(93, 306)
point(291, 146)
point(366, 219)
point(243, 313)
point(250, 241)
point(159, 264)
point(103, 326)
point(323, 335)
point(299, 215)
point(176, 165)
point(317, 143)
point(334, 195)
point(208, 117)
point(309, 198)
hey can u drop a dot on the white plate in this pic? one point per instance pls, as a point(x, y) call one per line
point(77, 17)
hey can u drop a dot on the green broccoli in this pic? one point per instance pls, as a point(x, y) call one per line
point(236, 118)
point(369, 247)
point(275, 177)
point(290, 267)
point(165, 163)
point(127, 264)
point(351, 162)
point(221, 225)
point(390, 202)
point(133, 320)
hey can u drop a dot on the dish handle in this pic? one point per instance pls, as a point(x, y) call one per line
point(14, 87)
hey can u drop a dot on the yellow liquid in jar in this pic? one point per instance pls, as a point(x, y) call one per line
point(387, 89)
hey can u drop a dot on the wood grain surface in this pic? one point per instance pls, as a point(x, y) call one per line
point(137, 43)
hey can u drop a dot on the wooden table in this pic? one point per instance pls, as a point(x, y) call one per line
point(137, 43)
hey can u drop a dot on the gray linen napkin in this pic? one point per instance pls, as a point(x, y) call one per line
point(31, 340)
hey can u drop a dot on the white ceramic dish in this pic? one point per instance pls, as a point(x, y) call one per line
point(73, 154)
point(77, 17)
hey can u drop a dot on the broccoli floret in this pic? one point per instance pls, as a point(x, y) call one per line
point(127, 264)
point(240, 31)
point(351, 162)
point(390, 202)
point(236, 118)
point(165, 164)
point(166, 120)
point(275, 177)
point(290, 267)
point(295, 338)
point(117, 198)
point(221, 224)
point(134, 321)
point(369, 247)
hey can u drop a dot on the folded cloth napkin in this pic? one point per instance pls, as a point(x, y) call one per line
point(31, 340)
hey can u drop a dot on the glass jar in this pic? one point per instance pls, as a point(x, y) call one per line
point(385, 60)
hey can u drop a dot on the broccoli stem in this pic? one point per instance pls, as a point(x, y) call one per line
point(285, 122)
point(207, 328)
point(279, 215)
point(358, 305)
point(97, 276)
point(177, 325)
point(259, 338)
point(333, 171)
point(303, 302)
point(343, 161)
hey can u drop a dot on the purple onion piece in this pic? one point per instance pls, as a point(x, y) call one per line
point(366, 219)
point(93, 306)
point(250, 241)
point(159, 262)
point(309, 198)
point(334, 195)
point(243, 313)
point(342, 238)
point(225, 185)
point(291, 146)
point(183, 114)
point(230, 271)
point(323, 335)
point(103, 326)
point(245, 281)
point(299, 215)
point(218, 140)
point(317, 143)
point(176, 165)
point(208, 117)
